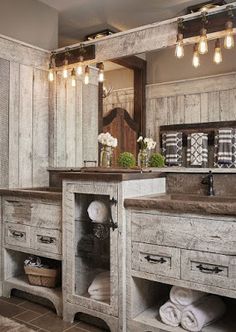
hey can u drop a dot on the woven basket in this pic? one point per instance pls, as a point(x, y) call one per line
point(41, 276)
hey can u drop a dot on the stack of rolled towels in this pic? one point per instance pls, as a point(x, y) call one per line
point(99, 289)
point(191, 309)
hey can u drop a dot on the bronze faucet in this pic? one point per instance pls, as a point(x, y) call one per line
point(209, 181)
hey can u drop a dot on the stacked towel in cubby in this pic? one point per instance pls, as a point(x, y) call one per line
point(99, 289)
point(225, 148)
point(197, 149)
point(172, 145)
point(98, 212)
point(191, 309)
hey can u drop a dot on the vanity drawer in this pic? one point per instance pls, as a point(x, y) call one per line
point(17, 211)
point(46, 215)
point(46, 240)
point(17, 235)
point(155, 259)
point(186, 232)
point(209, 269)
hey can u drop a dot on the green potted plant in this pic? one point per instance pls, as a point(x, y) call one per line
point(126, 160)
point(156, 160)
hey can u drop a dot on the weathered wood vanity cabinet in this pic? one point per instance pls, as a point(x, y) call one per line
point(32, 224)
point(166, 247)
point(84, 255)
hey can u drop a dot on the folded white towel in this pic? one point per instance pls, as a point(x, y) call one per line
point(101, 298)
point(202, 312)
point(184, 296)
point(171, 313)
point(98, 212)
point(101, 283)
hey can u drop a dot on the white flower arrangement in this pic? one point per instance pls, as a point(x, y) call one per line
point(107, 139)
point(146, 143)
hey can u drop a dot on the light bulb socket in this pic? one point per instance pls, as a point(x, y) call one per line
point(229, 25)
point(195, 48)
point(87, 70)
point(204, 15)
point(180, 23)
point(81, 58)
point(217, 43)
point(203, 32)
point(73, 72)
point(180, 37)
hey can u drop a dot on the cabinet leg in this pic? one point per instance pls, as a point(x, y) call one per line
point(68, 312)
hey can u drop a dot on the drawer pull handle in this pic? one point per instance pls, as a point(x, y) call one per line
point(203, 269)
point(153, 260)
point(17, 234)
point(46, 239)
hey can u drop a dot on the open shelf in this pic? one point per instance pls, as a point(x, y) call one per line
point(148, 296)
point(21, 283)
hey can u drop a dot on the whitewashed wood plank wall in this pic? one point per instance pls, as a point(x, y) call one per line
point(24, 96)
point(123, 98)
point(191, 101)
point(74, 121)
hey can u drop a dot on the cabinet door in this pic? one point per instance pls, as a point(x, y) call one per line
point(90, 247)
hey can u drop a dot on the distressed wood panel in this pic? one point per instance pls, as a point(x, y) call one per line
point(4, 140)
point(70, 124)
point(14, 101)
point(192, 108)
point(25, 126)
point(79, 125)
point(40, 121)
point(90, 122)
point(60, 142)
point(214, 106)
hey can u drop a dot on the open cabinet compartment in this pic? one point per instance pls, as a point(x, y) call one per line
point(147, 297)
point(92, 245)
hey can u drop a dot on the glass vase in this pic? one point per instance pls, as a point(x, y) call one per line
point(143, 157)
point(106, 156)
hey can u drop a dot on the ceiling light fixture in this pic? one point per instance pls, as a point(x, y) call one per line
point(229, 37)
point(66, 62)
point(196, 57)
point(179, 49)
point(73, 78)
point(203, 45)
point(100, 72)
point(82, 51)
point(51, 67)
point(217, 53)
point(86, 76)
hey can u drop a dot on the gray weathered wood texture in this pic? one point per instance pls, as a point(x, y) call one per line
point(123, 98)
point(73, 121)
point(195, 100)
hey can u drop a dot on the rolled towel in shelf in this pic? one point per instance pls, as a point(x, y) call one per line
point(197, 149)
point(100, 285)
point(225, 146)
point(172, 148)
point(98, 212)
point(171, 313)
point(203, 312)
point(184, 296)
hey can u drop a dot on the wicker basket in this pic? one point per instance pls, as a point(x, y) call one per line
point(41, 276)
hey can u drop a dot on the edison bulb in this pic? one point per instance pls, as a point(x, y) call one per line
point(217, 55)
point(229, 40)
point(196, 59)
point(79, 69)
point(65, 72)
point(86, 78)
point(50, 75)
point(203, 45)
point(101, 76)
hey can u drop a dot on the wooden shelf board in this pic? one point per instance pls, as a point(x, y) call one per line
point(151, 318)
point(21, 283)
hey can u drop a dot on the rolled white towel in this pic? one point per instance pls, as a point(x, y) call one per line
point(101, 298)
point(202, 313)
point(184, 296)
point(171, 313)
point(100, 283)
point(98, 212)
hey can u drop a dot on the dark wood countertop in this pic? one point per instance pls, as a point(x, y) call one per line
point(122, 176)
point(184, 203)
point(41, 193)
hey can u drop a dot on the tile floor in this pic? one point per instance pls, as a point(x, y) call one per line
point(39, 318)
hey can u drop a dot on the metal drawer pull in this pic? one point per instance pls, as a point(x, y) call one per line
point(153, 260)
point(203, 269)
point(46, 239)
point(17, 234)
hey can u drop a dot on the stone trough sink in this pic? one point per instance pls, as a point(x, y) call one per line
point(185, 203)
